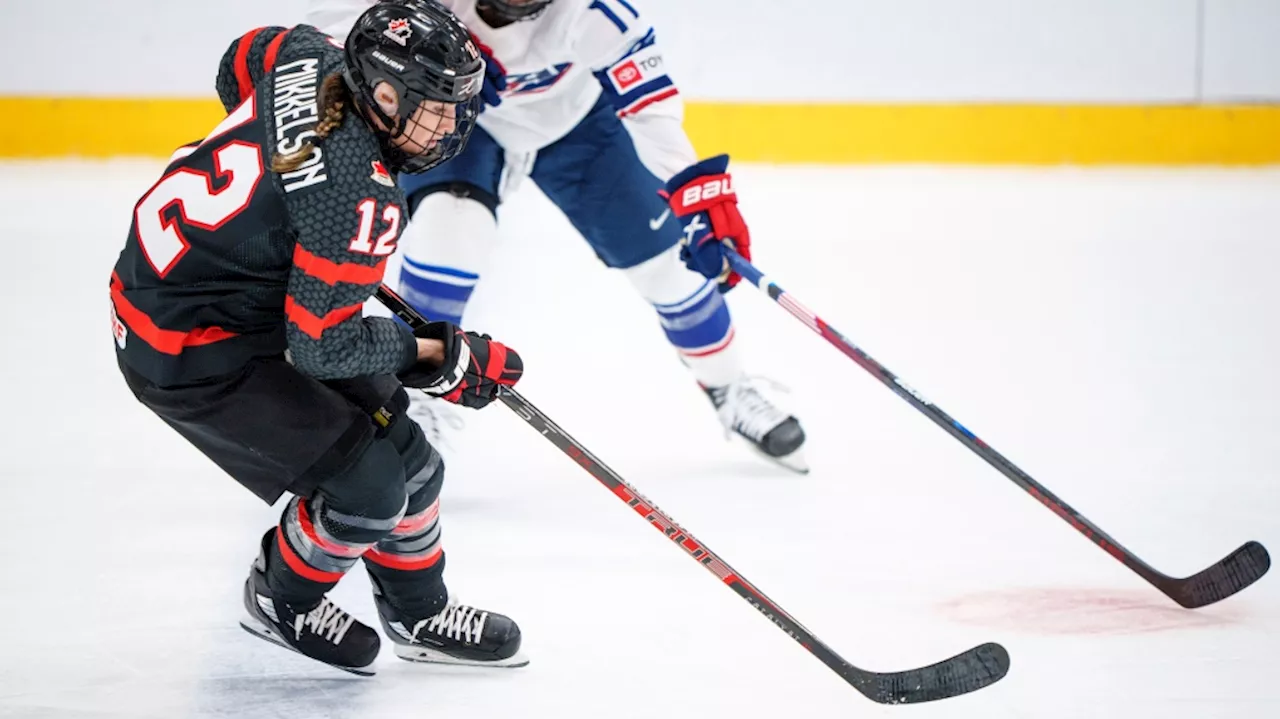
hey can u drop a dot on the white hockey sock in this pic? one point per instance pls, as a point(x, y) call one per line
point(445, 248)
point(693, 315)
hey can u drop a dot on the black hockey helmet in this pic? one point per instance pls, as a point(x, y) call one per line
point(514, 10)
point(426, 55)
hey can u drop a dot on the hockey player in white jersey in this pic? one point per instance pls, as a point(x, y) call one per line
point(577, 99)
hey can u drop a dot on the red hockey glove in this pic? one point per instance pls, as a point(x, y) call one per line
point(703, 194)
point(474, 366)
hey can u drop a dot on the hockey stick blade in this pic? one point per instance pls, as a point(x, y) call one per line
point(967, 672)
point(1234, 573)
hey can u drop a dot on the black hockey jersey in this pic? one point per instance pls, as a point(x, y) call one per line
point(227, 260)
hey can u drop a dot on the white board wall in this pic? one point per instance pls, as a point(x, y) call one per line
point(1074, 51)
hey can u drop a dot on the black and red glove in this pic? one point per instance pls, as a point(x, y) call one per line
point(703, 197)
point(474, 366)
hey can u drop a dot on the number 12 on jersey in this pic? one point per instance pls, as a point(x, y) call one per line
point(363, 243)
point(237, 162)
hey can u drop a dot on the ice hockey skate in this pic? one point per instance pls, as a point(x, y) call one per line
point(325, 633)
point(458, 634)
point(772, 433)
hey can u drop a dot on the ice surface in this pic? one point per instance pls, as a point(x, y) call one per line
point(1112, 332)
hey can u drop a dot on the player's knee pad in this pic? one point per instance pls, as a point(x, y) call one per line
point(414, 544)
point(423, 465)
point(348, 513)
point(365, 502)
point(445, 249)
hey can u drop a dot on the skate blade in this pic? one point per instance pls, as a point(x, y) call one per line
point(795, 461)
point(257, 629)
point(427, 655)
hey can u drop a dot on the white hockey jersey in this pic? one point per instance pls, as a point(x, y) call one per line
point(558, 64)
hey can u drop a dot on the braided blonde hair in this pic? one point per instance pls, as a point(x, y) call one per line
point(334, 99)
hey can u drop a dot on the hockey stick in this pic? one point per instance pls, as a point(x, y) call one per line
point(1236, 571)
point(977, 668)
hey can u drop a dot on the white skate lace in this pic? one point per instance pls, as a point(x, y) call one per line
point(747, 412)
point(326, 620)
point(457, 622)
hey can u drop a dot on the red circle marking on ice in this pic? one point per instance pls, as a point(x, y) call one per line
point(1067, 611)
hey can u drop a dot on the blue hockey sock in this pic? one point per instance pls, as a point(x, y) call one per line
point(438, 293)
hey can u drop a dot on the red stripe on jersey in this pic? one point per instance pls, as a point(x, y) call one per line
point(331, 273)
point(170, 342)
point(241, 66)
point(300, 567)
point(648, 101)
point(393, 561)
point(313, 326)
point(272, 50)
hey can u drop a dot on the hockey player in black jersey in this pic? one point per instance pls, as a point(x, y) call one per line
point(236, 312)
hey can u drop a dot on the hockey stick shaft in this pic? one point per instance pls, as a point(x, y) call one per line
point(1242, 568)
point(962, 674)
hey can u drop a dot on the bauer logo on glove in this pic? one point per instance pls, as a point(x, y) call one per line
point(704, 195)
point(709, 190)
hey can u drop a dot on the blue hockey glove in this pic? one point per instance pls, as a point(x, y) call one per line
point(495, 75)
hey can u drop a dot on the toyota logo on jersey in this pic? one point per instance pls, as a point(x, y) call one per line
point(636, 70)
point(626, 74)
